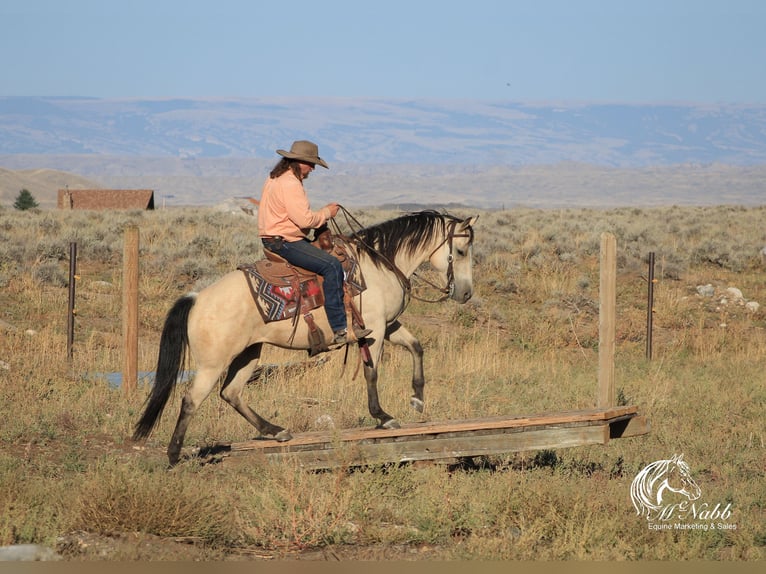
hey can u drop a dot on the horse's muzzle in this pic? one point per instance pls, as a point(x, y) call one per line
point(460, 295)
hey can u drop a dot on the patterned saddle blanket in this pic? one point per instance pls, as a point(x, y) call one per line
point(284, 291)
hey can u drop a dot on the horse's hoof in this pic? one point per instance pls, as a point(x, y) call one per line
point(173, 458)
point(417, 404)
point(393, 424)
point(283, 436)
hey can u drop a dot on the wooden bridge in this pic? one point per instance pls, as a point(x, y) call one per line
point(447, 440)
point(450, 440)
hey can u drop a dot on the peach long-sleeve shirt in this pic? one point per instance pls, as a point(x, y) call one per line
point(285, 211)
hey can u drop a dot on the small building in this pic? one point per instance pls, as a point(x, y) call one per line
point(106, 199)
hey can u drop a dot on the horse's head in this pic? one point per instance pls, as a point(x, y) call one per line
point(445, 241)
point(679, 479)
point(454, 258)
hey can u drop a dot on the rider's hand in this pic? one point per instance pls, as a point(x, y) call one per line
point(333, 209)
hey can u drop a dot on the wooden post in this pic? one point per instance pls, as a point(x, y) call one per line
point(606, 322)
point(650, 306)
point(130, 310)
point(71, 306)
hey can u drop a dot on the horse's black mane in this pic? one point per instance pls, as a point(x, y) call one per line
point(407, 232)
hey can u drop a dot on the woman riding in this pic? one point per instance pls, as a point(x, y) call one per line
point(284, 220)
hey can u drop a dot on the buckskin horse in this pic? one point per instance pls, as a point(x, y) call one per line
point(222, 330)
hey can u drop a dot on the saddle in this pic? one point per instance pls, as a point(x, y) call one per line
point(284, 291)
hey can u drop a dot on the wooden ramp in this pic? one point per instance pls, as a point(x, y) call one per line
point(448, 439)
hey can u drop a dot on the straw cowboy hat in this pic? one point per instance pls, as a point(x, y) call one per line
point(303, 150)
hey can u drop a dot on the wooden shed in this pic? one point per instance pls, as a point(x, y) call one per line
point(106, 199)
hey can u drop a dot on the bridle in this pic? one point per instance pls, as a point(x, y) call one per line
point(449, 289)
point(406, 284)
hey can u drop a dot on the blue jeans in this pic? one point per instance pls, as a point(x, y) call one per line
point(303, 254)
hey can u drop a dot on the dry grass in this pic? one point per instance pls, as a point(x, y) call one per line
point(526, 343)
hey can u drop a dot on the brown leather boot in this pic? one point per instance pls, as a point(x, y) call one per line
point(344, 338)
point(361, 332)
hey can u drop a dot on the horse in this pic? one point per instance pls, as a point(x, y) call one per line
point(650, 485)
point(221, 329)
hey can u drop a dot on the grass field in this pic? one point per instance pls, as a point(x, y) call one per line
point(71, 479)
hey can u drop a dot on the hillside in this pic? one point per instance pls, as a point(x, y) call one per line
point(43, 184)
point(553, 186)
point(489, 154)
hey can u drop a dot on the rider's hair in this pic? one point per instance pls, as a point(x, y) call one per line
point(283, 165)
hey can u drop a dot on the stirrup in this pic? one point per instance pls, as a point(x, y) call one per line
point(340, 339)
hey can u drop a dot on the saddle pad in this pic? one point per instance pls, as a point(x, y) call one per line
point(278, 298)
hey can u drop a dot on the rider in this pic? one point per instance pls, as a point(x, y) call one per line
point(284, 219)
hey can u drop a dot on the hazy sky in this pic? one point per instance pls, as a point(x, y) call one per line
point(540, 50)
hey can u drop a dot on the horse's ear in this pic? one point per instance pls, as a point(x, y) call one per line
point(466, 223)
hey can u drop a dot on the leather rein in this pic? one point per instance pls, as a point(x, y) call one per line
point(404, 280)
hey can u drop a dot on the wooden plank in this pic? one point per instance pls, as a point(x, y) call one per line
point(316, 438)
point(441, 440)
point(633, 426)
point(439, 448)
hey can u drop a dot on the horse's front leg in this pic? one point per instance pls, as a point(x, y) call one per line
point(399, 335)
point(371, 355)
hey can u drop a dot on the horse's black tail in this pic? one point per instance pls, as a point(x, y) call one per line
point(173, 345)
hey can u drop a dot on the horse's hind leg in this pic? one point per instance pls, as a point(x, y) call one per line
point(240, 371)
point(399, 335)
point(203, 383)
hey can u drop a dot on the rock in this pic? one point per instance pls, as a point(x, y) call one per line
point(734, 294)
point(752, 306)
point(706, 290)
point(28, 553)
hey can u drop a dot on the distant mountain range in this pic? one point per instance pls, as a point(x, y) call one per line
point(376, 130)
point(389, 151)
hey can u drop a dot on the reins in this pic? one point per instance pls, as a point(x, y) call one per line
point(403, 280)
point(355, 227)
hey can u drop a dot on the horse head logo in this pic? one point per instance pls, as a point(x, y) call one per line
point(658, 478)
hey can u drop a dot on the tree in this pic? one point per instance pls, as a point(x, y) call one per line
point(25, 200)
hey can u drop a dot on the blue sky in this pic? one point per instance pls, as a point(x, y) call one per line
point(534, 50)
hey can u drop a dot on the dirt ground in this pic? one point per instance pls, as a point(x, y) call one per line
point(84, 546)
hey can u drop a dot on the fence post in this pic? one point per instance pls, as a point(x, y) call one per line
point(650, 307)
point(130, 310)
point(606, 320)
point(71, 307)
